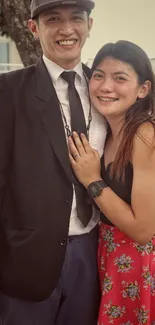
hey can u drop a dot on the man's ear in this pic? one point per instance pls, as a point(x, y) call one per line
point(144, 89)
point(33, 26)
point(90, 23)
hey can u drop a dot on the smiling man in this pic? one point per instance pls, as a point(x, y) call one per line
point(62, 31)
point(48, 226)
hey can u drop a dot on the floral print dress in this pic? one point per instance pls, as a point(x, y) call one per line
point(127, 269)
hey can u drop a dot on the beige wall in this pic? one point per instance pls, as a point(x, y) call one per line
point(13, 53)
point(14, 56)
point(132, 20)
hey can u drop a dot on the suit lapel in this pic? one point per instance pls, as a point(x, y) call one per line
point(49, 109)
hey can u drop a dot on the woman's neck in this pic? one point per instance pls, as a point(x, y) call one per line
point(116, 125)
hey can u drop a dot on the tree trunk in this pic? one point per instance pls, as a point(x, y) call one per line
point(14, 15)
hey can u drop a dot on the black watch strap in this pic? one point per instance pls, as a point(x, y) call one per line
point(95, 188)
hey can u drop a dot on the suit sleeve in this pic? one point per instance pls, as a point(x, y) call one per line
point(6, 130)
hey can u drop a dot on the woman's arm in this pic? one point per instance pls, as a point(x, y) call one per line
point(137, 220)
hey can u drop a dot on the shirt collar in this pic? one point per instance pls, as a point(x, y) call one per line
point(55, 70)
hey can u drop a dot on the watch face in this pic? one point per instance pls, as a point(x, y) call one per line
point(95, 188)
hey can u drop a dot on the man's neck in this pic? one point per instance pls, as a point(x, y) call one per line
point(66, 65)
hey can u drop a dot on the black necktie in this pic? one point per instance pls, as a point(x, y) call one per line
point(78, 124)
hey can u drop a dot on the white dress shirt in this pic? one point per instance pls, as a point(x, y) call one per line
point(97, 132)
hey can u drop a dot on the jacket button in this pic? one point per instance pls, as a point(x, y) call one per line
point(63, 242)
point(66, 201)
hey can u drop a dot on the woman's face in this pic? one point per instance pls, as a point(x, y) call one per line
point(114, 87)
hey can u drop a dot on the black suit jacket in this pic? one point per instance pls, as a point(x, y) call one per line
point(35, 184)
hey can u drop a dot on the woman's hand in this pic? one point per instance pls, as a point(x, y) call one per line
point(84, 160)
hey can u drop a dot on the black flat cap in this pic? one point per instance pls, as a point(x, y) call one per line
point(39, 6)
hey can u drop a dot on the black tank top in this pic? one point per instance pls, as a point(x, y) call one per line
point(122, 189)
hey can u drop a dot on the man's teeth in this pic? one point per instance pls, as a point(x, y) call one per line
point(67, 42)
point(103, 99)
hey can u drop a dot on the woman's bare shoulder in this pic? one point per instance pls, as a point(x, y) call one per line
point(146, 133)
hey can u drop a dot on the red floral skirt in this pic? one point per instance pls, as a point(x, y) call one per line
point(127, 279)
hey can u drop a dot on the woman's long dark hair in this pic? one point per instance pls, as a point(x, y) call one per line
point(143, 109)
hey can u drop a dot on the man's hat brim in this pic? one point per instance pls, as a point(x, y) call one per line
point(88, 5)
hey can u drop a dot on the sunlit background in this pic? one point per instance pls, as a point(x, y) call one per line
point(132, 20)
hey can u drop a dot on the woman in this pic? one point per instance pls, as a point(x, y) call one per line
point(123, 184)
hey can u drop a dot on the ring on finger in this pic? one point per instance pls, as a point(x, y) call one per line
point(76, 156)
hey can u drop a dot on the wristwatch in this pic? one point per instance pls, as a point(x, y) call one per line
point(94, 189)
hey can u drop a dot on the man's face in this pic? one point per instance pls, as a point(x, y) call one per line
point(62, 32)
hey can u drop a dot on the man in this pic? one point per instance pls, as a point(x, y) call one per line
point(48, 229)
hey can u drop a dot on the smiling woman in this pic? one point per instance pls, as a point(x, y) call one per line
point(114, 87)
point(123, 184)
point(128, 77)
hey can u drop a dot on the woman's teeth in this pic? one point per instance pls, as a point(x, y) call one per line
point(107, 99)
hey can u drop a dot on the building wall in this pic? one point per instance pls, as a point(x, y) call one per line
point(9, 57)
point(14, 56)
point(132, 20)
